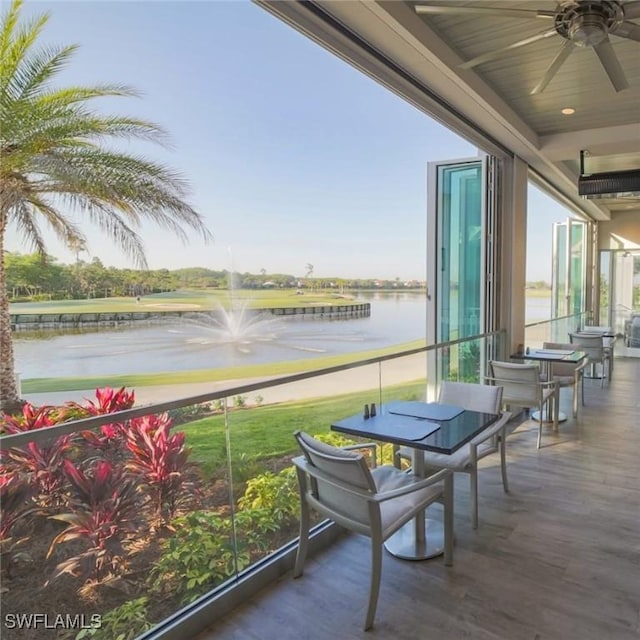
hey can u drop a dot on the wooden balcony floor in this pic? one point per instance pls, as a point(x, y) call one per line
point(558, 558)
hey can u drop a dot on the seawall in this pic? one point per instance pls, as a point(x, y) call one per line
point(27, 321)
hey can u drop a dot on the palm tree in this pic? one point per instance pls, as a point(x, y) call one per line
point(53, 160)
point(308, 274)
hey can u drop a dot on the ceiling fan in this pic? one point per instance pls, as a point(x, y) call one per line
point(581, 23)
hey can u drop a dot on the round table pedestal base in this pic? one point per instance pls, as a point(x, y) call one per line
point(562, 417)
point(403, 543)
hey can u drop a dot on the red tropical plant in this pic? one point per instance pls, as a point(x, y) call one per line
point(31, 418)
point(109, 400)
point(15, 504)
point(160, 459)
point(104, 505)
point(40, 464)
point(109, 442)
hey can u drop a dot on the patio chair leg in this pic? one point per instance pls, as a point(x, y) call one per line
point(474, 496)
point(539, 434)
point(448, 520)
point(303, 544)
point(503, 460)
point(376, 570)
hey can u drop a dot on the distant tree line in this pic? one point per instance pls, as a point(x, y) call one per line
point(34, 277)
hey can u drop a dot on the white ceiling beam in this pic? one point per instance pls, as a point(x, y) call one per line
point(605, 141)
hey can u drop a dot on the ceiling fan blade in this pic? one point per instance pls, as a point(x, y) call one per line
point(611, 65)
point(556, 63)
point(487, 11)
point(497, 52)
point(631, 10)
point(627, 30)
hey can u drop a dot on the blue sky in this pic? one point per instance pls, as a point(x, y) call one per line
point(293, 156)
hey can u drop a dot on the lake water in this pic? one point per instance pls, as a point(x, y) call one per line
point(181, 345)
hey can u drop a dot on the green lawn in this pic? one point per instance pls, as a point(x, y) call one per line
point(186, 299)
point(261, 433)
point(42, 385)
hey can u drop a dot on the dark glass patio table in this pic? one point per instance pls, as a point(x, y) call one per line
point(422, 537)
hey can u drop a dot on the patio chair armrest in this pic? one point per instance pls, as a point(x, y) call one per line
point(498, 381)
point(419, 483)
point(582, 366)
point(306, 469)
point(528, 383)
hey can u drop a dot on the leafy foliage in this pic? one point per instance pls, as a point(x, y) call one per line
point(199, 556)
point(14, 506)
point(160, 460)
point(126, 622)
point(40, 464)
point(104, 510)
point(109, 400)
point(277, 494)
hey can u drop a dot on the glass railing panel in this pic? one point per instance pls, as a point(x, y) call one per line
point(261, 440)
point(464, 361)
point(467, 360)
point(198, 494)
point(404, 378)
point(556, 330)
point(198, 551)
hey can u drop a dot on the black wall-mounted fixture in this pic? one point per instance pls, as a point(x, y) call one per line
point(608, 184)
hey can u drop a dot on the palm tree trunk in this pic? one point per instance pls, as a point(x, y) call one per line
point(9, 400)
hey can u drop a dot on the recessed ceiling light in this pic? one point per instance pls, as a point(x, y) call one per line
point(568, 111)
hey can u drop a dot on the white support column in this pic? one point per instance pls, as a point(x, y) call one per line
point(513, 252)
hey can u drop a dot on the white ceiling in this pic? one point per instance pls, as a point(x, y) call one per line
point(495, 95)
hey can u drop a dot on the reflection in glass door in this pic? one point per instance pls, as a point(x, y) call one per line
point(456, 273)
point(569, 277)
point(620, 293)
point(460, 251)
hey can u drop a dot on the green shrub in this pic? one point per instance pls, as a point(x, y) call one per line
point(239, 402)
point(125, 622)
point(275, 493)
point(199, 556)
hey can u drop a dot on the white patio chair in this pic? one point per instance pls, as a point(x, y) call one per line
point(522, 387)
point(338, 484)
point(568, 374)
point(473, 397)
point(593, 346)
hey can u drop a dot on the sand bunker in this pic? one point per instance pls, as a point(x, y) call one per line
point(172, 305)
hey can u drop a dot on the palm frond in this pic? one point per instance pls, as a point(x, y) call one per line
point(34, 71)
point(16, 41)
point(65, 230)
point(27, 225)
